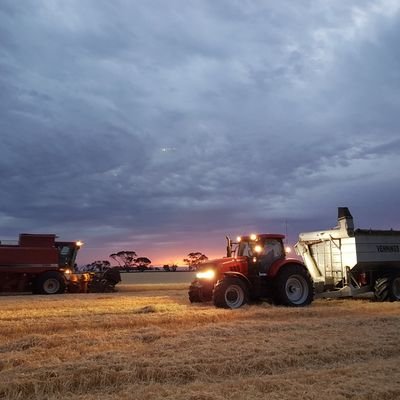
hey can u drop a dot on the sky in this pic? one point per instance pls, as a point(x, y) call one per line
point(162, 126)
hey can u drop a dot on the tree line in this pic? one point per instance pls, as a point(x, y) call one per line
point(128, 261)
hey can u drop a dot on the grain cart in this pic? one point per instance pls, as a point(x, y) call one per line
point(345, 262)
point(40, 264)
point(255, 267)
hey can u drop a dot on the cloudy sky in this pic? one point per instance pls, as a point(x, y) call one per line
point(161, 126)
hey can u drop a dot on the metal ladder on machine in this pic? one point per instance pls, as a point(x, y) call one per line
point(334, 265)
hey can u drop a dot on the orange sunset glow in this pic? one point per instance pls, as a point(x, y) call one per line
point(159, 255)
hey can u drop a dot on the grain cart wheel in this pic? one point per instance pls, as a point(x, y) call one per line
point(381, 288)
point(51, 282)
point(199, 294)
point(230, 293)
point(293, 287)
point(387, 288)
point(394, 293)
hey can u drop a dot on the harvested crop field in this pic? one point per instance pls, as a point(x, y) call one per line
point(148, 342)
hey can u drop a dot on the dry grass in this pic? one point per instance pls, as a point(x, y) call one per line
point(152, 344)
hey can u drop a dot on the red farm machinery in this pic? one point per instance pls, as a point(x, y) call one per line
point(40, 264)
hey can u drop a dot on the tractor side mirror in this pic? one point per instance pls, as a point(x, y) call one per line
point(228, 247)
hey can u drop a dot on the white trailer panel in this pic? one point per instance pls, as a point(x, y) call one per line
point(336, 258)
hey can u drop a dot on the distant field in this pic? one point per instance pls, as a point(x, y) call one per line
point(139, 278)
point(148, 342)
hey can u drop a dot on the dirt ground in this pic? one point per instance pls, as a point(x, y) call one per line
point(149, 342)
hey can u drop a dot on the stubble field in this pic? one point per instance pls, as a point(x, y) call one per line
point(149, 342)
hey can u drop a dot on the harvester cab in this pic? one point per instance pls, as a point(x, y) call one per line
point(67, 252)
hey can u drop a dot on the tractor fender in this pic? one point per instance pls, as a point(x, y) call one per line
point(277, 266)
point(239, 275)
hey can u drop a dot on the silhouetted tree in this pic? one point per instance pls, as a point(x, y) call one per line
point(142, 263)
point(168, 267)
point(114, 256)
point(194, 259)
point(125, 259)
point(128, 260)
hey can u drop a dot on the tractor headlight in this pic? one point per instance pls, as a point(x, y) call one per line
point(208, 274)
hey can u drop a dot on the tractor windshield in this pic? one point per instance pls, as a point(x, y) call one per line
point(245, 249)
point(267, 247)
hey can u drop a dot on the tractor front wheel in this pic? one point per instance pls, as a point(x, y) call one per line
point(293, 287)
point(198, 293)
point(230, 293)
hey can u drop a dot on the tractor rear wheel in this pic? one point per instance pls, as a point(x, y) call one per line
point(51, 282)
point(199, 294)
point(230, 293)
point(387, 288)
point(293, 287)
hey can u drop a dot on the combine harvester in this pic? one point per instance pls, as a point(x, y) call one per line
point(39, 264)
point(338, 262)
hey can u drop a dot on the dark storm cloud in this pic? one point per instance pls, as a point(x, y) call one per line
point(126, 118)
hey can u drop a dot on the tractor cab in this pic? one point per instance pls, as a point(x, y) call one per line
point(260, 250)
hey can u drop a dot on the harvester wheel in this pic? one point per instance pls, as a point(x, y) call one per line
point(51, 282)
point(199, 294)
point(387, 288)
point(230, 293)
point(293, 287)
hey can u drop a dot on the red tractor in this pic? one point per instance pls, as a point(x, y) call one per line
point(256, 267)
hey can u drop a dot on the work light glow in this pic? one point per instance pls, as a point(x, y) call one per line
point(79, 243)
point(258, 248)
point(209, 274)
point(253, 237)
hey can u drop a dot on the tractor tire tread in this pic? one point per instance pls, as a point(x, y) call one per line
point(280, 297)
point(221, 287)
